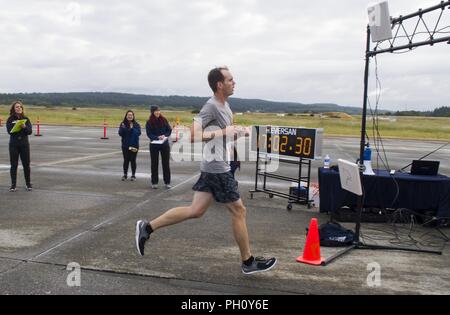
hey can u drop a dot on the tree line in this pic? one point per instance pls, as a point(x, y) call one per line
point(175, 102)
point(443, 111)
point(98, 99)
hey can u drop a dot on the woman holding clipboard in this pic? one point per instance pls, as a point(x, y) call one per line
point(19, 128)
point(159, 131)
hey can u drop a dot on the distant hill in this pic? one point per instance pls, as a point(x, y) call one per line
point(169, 102)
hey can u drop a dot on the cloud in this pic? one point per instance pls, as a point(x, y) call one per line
point(290, 50)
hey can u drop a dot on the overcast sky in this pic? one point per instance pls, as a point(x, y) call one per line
point(285, 50)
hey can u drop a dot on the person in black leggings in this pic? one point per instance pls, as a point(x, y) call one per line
point(129, 130)
point(158, 129)
point(18, 143)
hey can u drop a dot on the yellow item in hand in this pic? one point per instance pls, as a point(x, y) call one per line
point(18, 126)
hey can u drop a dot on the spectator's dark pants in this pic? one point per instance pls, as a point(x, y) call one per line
point(129, 157)
point(22, 151)
point(155, 149)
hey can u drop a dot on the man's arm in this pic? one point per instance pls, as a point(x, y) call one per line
point(200, 135)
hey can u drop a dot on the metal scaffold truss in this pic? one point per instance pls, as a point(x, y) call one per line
point(424, 27)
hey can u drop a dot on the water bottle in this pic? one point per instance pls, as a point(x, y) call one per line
point(367, 153)
point(326, 161)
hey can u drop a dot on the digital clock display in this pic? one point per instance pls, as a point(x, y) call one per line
point(288, 141)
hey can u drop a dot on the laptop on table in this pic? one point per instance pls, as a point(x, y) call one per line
point(422, 167)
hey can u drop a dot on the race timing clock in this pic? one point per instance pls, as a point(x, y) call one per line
point(298, 142)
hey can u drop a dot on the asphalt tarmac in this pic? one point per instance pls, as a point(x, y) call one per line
point(81, 212)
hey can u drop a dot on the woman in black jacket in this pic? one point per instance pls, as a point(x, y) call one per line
point(19, 128)
point(129, 130)
point(159, 130)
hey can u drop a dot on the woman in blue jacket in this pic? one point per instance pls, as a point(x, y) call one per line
point(158, 129)
point(129, 130)
point(18, 143)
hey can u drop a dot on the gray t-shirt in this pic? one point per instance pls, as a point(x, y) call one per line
point(217, 151)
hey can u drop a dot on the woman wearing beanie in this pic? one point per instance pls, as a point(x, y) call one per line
point(129, 130)
point(159, 131)
point(19, 128)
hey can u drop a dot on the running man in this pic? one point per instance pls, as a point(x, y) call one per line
point(214, 126)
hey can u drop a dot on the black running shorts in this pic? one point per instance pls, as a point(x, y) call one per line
point(222, 186)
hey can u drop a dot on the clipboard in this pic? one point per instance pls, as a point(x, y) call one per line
point(159, 141)
point(17, 126)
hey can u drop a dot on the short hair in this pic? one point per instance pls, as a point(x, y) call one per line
point(215, 76)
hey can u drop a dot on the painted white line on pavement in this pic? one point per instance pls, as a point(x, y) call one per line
point(74, 138)
point(80, 159)
point(138, 206)
point(186, 181)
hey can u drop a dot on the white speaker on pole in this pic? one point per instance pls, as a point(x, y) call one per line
point(380, 21)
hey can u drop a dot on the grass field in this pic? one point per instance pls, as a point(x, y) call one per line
point(400, 127)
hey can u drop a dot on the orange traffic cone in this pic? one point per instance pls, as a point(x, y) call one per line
point(38, 134)
point(311, 253)
point(105, 127)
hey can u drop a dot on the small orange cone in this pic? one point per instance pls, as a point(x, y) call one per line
point(311, 253)
point(105, 127)
point(38, 134)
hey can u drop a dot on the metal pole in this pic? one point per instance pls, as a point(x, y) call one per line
point(442, 6)
point(410, 46)
point(257, 157)
point(363, 134)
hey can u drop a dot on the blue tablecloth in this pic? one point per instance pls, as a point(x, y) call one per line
point(419, 193)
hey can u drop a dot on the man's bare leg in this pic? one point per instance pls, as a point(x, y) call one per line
point(250, 265)
point(200, 204)
point(238, 212)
